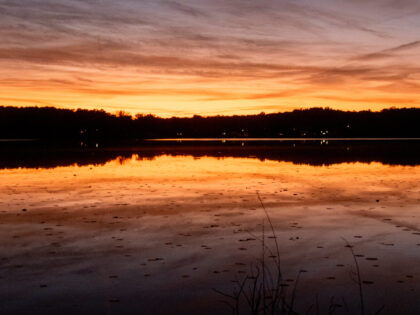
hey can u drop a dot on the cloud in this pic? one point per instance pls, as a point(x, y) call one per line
point(367, 99)
point(186, 9)
point(390, 52)
point(208, 51)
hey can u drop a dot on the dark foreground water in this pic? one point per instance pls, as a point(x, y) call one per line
point(173, 228)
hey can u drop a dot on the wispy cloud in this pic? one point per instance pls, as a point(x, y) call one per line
point(389, 52)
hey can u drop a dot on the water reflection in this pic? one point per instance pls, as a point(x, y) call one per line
point(308, 152)
point(170, 223)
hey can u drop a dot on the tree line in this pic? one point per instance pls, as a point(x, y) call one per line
point(88, 126)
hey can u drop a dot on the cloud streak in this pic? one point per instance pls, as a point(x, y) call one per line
point(390, 52)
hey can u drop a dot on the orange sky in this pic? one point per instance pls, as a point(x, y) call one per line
point(210, 57)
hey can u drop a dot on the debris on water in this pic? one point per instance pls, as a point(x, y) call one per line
point(387, 244)
point(246, 239)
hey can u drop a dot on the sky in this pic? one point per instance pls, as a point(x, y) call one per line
point(210, 57)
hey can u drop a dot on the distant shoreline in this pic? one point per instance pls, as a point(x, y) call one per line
point(63, 143)
point(93, 127)
point(279, 139)
point(18, 140)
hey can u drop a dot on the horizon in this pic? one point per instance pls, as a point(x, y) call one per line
point(185, 58)
point(134, 116)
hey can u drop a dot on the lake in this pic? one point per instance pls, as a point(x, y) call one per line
point(178, 228)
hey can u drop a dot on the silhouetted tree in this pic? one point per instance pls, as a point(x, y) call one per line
point(90, 126)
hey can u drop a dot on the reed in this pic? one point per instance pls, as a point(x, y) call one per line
point(263, 290)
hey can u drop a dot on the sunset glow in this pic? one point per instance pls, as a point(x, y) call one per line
point(210, 57)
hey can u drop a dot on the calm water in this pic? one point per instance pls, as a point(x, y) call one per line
point(154, 230)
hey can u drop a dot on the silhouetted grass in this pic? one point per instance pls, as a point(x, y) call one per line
point(264, 289)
